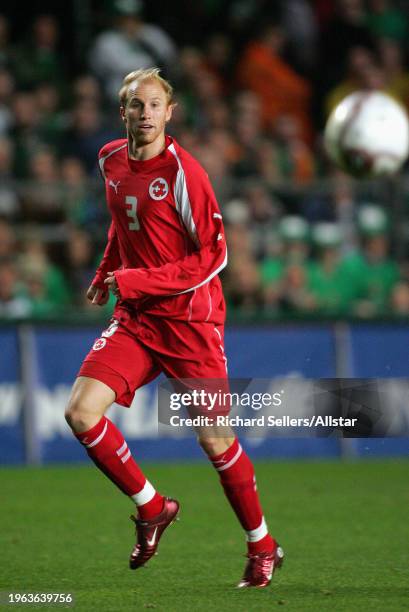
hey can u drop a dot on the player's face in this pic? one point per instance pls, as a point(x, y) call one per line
point(146, 112)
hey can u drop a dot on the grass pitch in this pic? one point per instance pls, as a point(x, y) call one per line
point(344, 528)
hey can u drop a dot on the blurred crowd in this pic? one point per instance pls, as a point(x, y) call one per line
point(255, 81)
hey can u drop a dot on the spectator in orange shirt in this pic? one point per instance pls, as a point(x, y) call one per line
point(281, 90)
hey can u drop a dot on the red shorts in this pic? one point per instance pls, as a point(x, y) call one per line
point(133, 351)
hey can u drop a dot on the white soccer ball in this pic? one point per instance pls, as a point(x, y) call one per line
point(367, 134)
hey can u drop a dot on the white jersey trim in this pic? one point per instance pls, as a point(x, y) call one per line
point(101, 160)
point(209, 278)
point(182, 200)
point(184, 208)
point(222, 348)
point(210, 304)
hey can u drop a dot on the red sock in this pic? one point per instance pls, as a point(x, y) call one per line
point(239, 483)
point(109, 451)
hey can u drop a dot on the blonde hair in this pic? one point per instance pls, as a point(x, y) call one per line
point(148, 74)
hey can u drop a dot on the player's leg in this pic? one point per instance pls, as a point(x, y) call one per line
point(103, 379)
point(104, 443)
point(238, 480)
point(115, 367)
point(89, 400)
point(205, 361)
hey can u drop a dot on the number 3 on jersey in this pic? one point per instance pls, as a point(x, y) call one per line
point(132, 203)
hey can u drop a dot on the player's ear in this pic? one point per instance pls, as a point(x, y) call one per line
point(122, 113)
point(169, 111)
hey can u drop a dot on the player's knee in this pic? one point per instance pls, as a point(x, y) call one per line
point(78, 415)
point(214, 446)
point(208, 445)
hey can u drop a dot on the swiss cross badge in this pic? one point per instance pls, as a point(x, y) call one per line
point(158, 189)
point(99, 344)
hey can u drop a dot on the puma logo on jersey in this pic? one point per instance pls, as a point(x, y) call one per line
point(114, 185)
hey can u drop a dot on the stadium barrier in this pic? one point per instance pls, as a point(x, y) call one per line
point(38, 364)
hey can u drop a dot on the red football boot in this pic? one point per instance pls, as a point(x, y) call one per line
point(260, 568)
point(149, 533)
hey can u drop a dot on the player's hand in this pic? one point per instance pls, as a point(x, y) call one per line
point(111, 283)
point(97, 296)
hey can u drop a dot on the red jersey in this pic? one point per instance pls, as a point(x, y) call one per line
point(166, 240)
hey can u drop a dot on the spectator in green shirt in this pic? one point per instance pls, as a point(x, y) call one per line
point(284, 276)
point(35, 291)
point(49, 283)
point(385, 19)
point(373, 273)
point(328, 283)
point(37, 59)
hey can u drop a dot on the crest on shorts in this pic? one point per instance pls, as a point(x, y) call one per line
point(99, 344)
point(158, 189)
